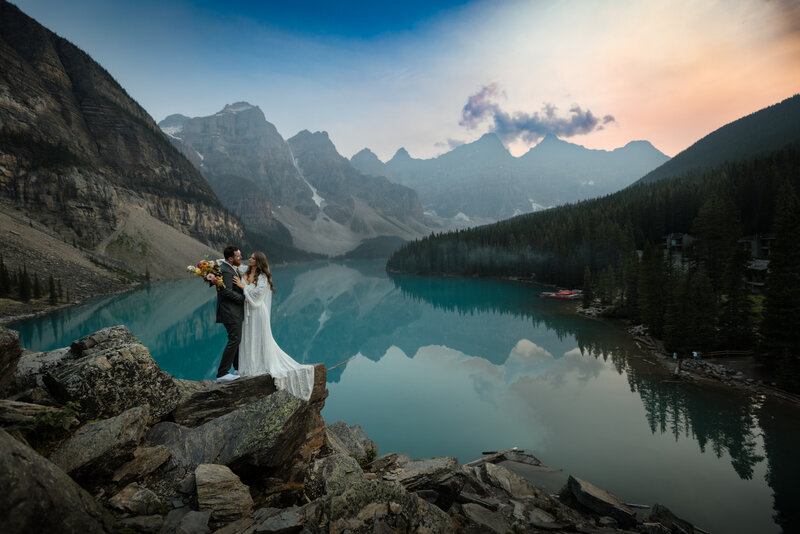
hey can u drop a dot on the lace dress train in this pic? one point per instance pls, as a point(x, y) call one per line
point(260, 354)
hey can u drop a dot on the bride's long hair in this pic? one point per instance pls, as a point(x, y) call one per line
point(261, 266)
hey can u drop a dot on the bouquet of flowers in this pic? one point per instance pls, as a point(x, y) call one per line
point(210, 271)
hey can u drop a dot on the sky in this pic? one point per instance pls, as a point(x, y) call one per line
point(428, 76)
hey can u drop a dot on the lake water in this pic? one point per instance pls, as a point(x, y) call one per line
point(454, 367)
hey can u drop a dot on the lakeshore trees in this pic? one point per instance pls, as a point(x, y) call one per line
point(694, 297)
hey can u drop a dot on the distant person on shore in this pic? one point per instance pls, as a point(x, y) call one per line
point(230, 312)
point(260, 353)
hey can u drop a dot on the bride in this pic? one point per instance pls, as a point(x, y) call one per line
point(259, 353)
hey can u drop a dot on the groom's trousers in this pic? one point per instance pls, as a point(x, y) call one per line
point(231, 353)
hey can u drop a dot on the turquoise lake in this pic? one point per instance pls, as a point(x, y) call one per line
point(454, 367)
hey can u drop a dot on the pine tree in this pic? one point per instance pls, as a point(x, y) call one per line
point(588, 291)
point(37, 288)
point(5, 279)
point(60, 290)
point(52, 286)
point(736, 317)
point(24, 285)
point(781, 326)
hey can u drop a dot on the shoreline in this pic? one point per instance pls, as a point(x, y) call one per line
point(703, 372)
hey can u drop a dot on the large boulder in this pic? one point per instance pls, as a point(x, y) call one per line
point(663, 515)
point(265, 434)
point(15, 412)
point(351, 440)
point(106, 338)
point(97, 449)
point(145, 461)
point(10, 352)
point(438, 480)
point(585, 496)
point(209, 403)
point(374, 505)
point(220, 491)
point(37, 496)
point(111, 373)
point(137, 500)
point(332, 475)
point(33, 366)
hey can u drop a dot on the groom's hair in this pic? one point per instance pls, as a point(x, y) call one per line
point(229, 251)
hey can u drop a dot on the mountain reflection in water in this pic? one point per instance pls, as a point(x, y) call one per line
point(454, 366)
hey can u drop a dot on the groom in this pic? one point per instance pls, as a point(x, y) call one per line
point(230, 312)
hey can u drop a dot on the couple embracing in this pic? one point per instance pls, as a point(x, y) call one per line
point(243, 307)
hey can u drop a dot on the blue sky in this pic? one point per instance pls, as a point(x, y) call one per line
point(430, 75)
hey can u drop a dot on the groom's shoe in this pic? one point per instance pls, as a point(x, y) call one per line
point(235, 372)
point(227, 378)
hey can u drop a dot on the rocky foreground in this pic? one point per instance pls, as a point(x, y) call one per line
point(97, 438)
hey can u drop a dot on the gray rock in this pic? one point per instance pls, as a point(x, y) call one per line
point(350, 440)
point(388, 463)
point(97, 449)
point(653, 528)
point(173, 519)
point(15, 412)
point(512, 483)
point(222, 492)
point(442, 476)
point(486, 520)
point(596, 500)
point(248, 435)
point(284, 522)
point(135, 499)
point(145, 461)
point(144, 523)
point(108, 381)
point(10, 352)
point(106, 338)
point(356, 508)
point(332, 475)
point(187, 388)
point(661, 514)
point(207, 404)
point(33, 366)
point(194, 523)
point(37, 496)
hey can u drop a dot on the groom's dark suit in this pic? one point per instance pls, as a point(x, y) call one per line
point(230, 312)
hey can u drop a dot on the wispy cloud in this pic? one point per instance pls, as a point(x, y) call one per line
point(529, 127)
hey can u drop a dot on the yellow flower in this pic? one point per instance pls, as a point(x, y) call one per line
point(198, 272)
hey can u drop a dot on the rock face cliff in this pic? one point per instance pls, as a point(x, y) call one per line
point(81, 158)
point(301, 188)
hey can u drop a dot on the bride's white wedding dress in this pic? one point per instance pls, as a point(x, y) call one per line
point(260, 354)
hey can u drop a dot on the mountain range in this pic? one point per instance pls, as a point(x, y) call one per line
point(300, 193)
point(482, 181)
point(84, 168)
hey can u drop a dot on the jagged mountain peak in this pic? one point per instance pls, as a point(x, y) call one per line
point(366, 153)
point(238, 107)
point(401, 155)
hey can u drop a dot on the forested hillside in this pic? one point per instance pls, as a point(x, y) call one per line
point(614, 248)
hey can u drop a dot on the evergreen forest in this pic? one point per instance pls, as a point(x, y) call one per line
point(694, 297)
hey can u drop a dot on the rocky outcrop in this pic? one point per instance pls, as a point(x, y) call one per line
point(113, 376)
point(257, 460)
point(582, 493)
point(220, 491)
point(207, 404)
point(351, 440)
point(10, 352)
point(80, 157)
point(35, 495)
point(96, 450)
point(247, 436)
